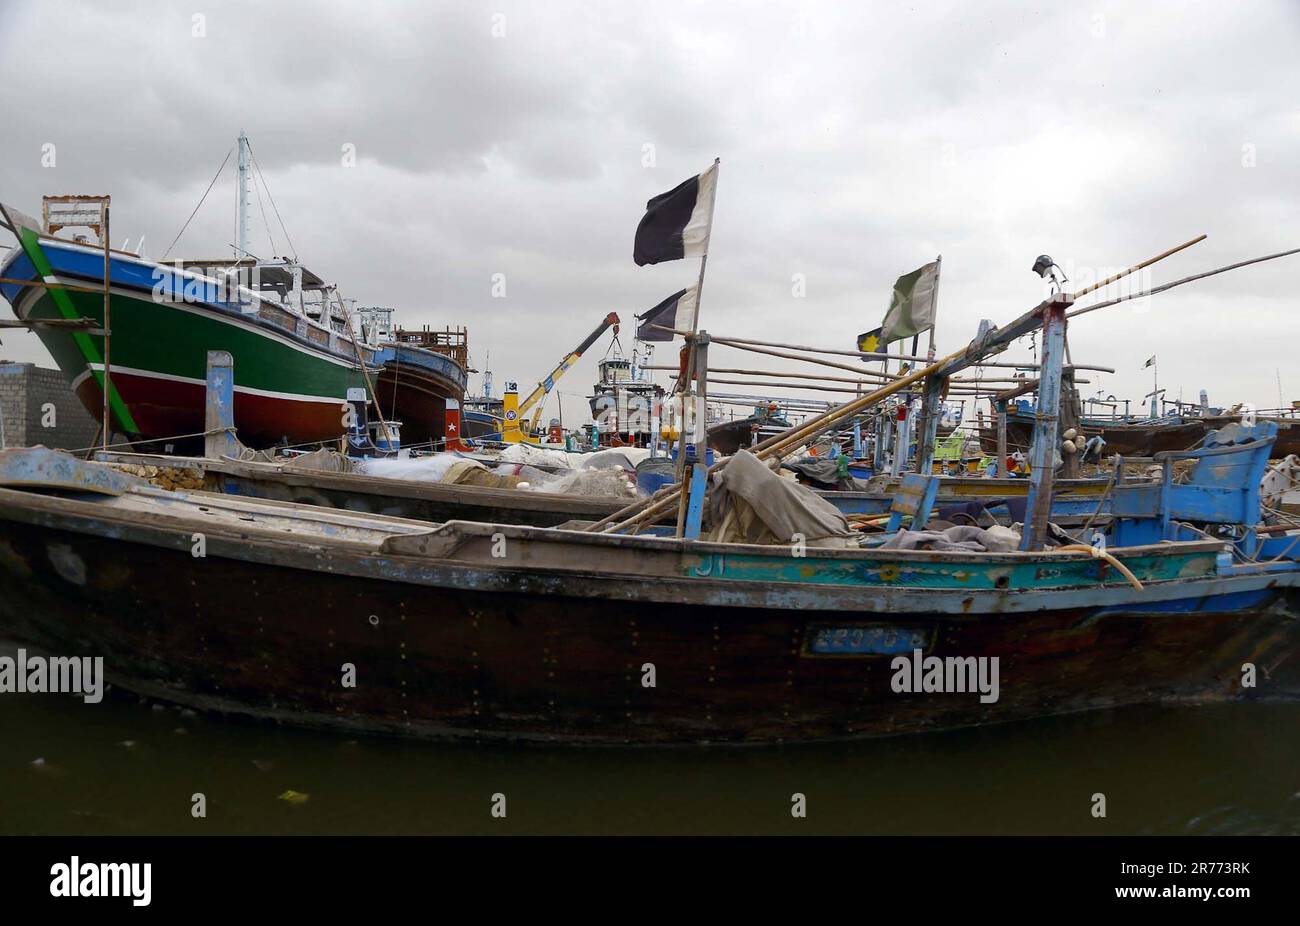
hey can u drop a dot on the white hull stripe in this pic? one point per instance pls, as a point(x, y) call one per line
point(247, 390)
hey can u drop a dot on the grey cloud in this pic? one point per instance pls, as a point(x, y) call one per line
point(857, 141)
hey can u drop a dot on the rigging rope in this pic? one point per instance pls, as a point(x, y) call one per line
point(196, 208)
point(265, 223)
point(258, 167)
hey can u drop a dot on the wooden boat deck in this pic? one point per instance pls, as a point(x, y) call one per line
point(488, 631)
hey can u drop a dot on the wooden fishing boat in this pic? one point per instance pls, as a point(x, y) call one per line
point(295, 357)
point(1072, 499)
point(413, 387)
point(422, 371)
point(729, 436)
point(485, 631)
point(1288, 431)
point(292, 371)
point(1136, 438)
point(1142, 438)
point(1075, 499)
point(358, 492)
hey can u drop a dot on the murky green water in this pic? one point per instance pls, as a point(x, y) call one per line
point(122, 767)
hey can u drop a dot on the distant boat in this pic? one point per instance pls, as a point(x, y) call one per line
point(1288, 429)
point(1129, 438)
point(482, 416)
point(1139, 437)
point(623, 402)
point(421, 371)
point(729, 436)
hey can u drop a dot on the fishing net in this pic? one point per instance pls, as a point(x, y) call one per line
point(593, 483)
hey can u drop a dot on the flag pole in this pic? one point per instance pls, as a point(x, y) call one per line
point(928, 410)
point(704, 258)
point(684, 382)
point(934, 306)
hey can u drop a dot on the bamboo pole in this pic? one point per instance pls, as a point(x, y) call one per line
point(727, 342)
point(749, 382)
point(866, 377)
point(643, 510)
point(1167, 286)
point(745, 344)
point(1146, 263)
point(659, 503)
point(833, 379)
point(815, 350)
point(789, 405)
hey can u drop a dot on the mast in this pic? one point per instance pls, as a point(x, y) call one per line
point(241, 232)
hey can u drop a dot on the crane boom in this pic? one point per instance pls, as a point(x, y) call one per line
point(546, 385)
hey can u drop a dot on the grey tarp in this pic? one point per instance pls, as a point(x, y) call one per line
point(964, 537)
point(751, 504)
point(826, 471)
point(322, 460)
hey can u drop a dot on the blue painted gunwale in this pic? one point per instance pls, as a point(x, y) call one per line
point(895, 572)
point(552, 562)
point(137, 275)
point(409, 355)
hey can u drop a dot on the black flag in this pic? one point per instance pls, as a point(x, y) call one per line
point(666, 315)
point(676, 223)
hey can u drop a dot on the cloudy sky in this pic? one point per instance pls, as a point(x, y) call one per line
point(858, 140)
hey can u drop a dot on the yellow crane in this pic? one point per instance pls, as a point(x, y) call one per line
point(511, 431)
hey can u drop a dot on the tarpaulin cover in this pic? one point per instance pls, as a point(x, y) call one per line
point(749, 503)
point(964, 537)
point(826, 472)
point(323, 460)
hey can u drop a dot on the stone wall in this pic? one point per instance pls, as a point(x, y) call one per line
point(37, 406)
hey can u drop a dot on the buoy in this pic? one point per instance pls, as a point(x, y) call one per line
point(1071, 434)
point(1068, 446)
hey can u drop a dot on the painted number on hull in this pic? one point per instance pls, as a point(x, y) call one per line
point(863, 641)
point(711, 565)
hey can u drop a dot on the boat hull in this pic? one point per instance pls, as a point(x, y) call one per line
point(1138, 440)
point(477, 425)
point(289, 389)
point(729, 437)
point(432, 502)
point(1144, 440)
point(1288, 432)
point(435, 502)
point(413, 387)
point(552, 646)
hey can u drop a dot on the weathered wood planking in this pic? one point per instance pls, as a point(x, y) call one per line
point(549, 642)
